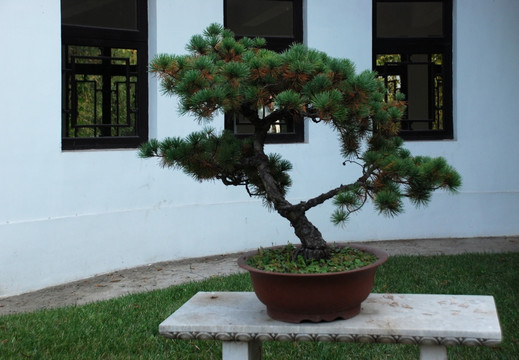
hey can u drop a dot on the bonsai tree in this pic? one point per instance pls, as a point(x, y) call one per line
point(241, 78)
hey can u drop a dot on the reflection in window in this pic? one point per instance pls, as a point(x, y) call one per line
point(409, 19)
point(260, 18)
point(112, 14)
point(419, 76)
point(412, 53)
point(244, 127)
point(101, 92)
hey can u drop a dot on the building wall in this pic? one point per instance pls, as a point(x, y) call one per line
point(67, 215)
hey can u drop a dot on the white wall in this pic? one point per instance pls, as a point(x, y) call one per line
point(69, 215)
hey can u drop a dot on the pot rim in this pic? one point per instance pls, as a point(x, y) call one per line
point(380, 254)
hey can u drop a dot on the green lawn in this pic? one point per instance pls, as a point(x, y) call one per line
point(127, 328)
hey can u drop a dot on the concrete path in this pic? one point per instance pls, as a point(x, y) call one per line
point(166, 274)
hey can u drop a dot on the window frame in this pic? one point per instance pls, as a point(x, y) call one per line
point(422, 45)
point(277, 44)
point(78, 35)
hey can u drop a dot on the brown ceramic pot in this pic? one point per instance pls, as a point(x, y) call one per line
point(314, 297)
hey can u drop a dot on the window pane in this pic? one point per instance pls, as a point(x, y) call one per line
point(101, 92)
point(116, 14)
point(418, 90)
point(388, 58)
point(420, 78)
point(121, 56)
point(242, 126)
point(409, 19)
point(270, 18)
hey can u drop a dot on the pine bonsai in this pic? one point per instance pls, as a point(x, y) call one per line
point(224, 75)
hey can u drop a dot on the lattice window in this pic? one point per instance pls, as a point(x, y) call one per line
point(101, 92)
point(104, 73)
point(412, 53)
point(421, 77)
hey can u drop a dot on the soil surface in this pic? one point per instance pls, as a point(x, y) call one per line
point(166, 274)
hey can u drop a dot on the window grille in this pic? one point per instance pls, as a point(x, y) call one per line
point(104, 61)
point(412, 53)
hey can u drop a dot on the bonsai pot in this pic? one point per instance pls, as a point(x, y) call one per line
point(314, 297)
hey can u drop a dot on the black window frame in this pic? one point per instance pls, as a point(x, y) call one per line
point(109, 38)
point(278, 44)
point(416, 46)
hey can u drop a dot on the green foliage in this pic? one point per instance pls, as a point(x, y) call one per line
point(282, 260)
point(389, 200)
point(222, 74)
point(397, 175)
point(288, 99)
point(207, 155)
point(300, 80)
point(347, 201)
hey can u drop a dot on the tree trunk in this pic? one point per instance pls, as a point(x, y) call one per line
point(313, 245)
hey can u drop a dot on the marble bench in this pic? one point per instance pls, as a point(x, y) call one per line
point(433, 322)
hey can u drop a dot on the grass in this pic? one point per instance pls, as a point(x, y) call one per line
point(127, 327)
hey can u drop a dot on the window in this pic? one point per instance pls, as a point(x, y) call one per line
point(104, 65)
point(280, 22)
point(412, 53)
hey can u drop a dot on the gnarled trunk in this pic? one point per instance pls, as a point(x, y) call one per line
point(313, 246)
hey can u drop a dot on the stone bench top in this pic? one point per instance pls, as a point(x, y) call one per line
point(384, 318)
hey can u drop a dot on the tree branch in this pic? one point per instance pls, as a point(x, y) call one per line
point(318, 200)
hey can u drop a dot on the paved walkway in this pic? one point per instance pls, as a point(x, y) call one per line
point(165, 274)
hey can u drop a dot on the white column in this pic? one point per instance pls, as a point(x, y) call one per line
point(433, 352)
point(241, 350)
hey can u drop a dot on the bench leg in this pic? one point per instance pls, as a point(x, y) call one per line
point(433, 352)
point(241, 350)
